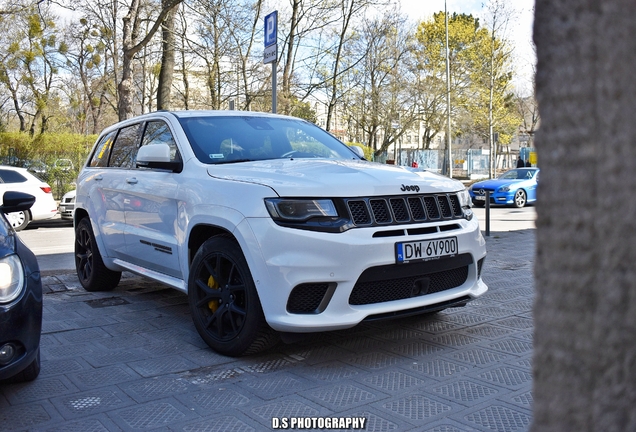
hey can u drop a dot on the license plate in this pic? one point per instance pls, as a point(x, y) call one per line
point(425, 249)
point(480, 198)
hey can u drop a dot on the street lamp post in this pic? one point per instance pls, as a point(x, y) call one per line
point(448, 103)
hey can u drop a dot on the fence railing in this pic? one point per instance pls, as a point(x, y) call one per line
point(467, 163)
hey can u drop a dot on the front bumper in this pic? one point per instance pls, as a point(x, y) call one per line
point(21, 320)
point(66, 211)
point(501, 198)
point(361, 258)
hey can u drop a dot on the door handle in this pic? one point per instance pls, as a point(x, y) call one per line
point(132, 180)
point(98, 177)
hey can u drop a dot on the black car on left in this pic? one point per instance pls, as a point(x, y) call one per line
point(20, 298)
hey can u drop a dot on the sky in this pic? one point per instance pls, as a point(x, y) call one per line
point(519, 32)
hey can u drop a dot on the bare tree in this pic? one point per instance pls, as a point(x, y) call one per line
point(167, 59)
point(349, 11)
point(306, 18)
point(528, 109)
point(132, 43)
point(89, 87)
point(384, 104)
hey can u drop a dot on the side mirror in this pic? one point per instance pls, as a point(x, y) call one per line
point(157, 156)
point(16, 202)
point(358, 151)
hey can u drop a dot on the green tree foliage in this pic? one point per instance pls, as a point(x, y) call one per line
point(472, 50)
point(47, 152)
point(303, 110)
point(464, 34)
point(29, 65)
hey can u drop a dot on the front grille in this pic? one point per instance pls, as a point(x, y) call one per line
point(431, 208)
point(482, 191)
point(310, 298)
point(380, 211)
point(417, 209)
point(400, 281)
point(398, 206)
point(359, 212)
point(400, 209)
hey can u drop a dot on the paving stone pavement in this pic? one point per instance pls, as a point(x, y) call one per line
point(131, 360)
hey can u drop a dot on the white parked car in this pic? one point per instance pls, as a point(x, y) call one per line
point(67, 205)
point(270, 225)
point(21, 180)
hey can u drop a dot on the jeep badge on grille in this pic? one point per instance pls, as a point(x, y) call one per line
point(414, 188)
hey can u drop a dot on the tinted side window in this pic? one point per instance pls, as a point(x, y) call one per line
point(125, 147)
point(158, 132)
point(10, 176)
point(102, 150)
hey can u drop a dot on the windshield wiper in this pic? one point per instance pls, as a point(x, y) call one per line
point(234, 161)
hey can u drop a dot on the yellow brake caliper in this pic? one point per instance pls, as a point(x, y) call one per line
point(213, 304)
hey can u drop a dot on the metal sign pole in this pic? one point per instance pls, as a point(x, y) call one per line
point(274, 87)
point(487, 213)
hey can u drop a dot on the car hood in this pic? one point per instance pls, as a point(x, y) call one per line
point(333, 178)
point(495, 183)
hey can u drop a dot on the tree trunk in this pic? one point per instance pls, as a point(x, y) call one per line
point(287, 68)
point(18, 109)
point(125, 109)
point(347, 14)
point(585, 309)
point(167, 61)
point(130, 47)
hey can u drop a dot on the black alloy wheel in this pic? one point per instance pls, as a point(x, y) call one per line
point(91, 271)
point(223, 300)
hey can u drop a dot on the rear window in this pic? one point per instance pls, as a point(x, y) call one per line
point(102, 150)
point(125, 147)
point(10, 176)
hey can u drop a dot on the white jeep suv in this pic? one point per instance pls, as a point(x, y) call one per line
point(270, 225)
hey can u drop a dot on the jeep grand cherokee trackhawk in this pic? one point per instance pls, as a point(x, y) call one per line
point(270, 224)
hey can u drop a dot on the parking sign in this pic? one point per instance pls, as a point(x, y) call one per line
point(271, 24)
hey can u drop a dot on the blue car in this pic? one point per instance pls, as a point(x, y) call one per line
point(20, 298)
point(516, 187)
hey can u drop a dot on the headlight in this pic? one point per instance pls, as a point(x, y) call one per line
point(466, 203)
point(11, 278)
point(464, 198)
point(504, 189)
point(298, 210)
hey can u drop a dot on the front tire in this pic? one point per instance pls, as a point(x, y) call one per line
point(18, 220)
point(520, 198)
point(91, 271)
point(224, 303)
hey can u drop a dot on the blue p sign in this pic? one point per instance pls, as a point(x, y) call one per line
point(271, 24)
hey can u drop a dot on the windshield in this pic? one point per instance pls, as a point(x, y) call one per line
point(227, 139)
point(518, 174)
